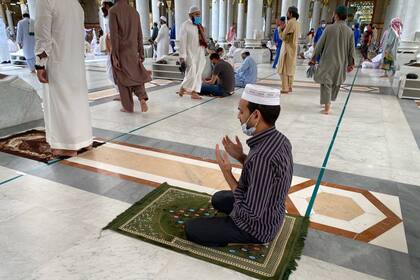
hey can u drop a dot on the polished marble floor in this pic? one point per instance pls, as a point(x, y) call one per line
point(364, 224)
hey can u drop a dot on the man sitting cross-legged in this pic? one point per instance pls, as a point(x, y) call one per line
point(222, 82)
point(255, 206)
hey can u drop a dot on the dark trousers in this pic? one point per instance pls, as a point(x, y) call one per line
point(213, 90)
point(126, 95)
point(218, 231)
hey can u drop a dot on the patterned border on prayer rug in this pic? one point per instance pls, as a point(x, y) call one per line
point(32, 144)
point(160, 216)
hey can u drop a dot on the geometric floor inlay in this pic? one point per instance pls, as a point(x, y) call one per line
point(346, 211)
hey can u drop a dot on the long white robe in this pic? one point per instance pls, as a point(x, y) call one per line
point(59, 33)
point(193, 53)
point(25, 38)
point(162, 41)
point(4, 46)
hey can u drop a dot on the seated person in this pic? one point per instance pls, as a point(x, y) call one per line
point(247, 73)
point(231, 51)
point(220, 52)
point(255, 205)
point(222, 82)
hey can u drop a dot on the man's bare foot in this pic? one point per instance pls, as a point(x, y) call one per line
point(290, 89)
point(284, 92)
point(181, 92)
point(125, 111)
point(195, 95)
point(63, 153)
point(143, 106)
point(325, 112)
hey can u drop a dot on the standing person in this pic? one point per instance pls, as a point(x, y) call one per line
point(173, 38)
point(248, 72)
point(289, 34)
point(357, 34)
point(162, 40)
point(4, 46)
point(367, 41)
point(277, 40)
point(231, 35)
point(106, 5)
point(255, 205)
point(310, 37)
point(155, 31)
point(336, 49)
point(319, 32)
point(127, 55)
point(60, 67)
point(26, 40)
point(391, 44)
point(191, 52)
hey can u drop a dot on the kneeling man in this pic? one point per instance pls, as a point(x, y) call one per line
point(255, 206)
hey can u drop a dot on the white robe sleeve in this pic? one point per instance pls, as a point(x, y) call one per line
point(160, 35)
point(183, 42)
point(43, 40)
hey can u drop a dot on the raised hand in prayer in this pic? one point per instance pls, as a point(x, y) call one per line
point(235, 150)
point(42, 76)
point(223, 160)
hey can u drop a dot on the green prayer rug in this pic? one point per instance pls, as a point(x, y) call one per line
point(160, 217)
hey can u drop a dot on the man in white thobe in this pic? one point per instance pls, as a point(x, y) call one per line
point(4, 46)
point(26, 40)
point(106, 5)
point(191, 52)
point(59, 49)
point(162, 40)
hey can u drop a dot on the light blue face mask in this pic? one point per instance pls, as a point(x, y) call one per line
point(249, 131)
point(197, 20)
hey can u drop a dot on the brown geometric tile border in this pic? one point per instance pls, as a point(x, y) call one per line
point(369, 234)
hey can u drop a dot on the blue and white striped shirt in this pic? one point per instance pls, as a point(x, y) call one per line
point(259, 205)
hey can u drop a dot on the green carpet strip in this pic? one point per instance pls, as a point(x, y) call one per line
point(159, 218)
point(327, 156)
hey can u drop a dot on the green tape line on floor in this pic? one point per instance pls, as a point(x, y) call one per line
point(327, 156)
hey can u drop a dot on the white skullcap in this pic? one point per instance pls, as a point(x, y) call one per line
point(164, 19)
point(109, 1)
point(194, 9)
point(261, 95)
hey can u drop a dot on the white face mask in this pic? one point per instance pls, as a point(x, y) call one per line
point(323, 25)
point(249, 131)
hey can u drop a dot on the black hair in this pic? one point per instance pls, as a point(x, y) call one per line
point(342, 15)
point(269, 113)
point(246, 53)
point(214, 56)
point(25, 15)
point(220, 50)
point(283, 19)
point(294, 11)
point(155, 24)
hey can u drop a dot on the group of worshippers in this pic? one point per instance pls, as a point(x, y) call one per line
point(193, 47)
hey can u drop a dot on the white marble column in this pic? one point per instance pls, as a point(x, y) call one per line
point(268, 17)
point(285, 4)
point(205, 14)
point(325, 13)
point(230, 8)
point(316, 14)
point(241, 21)
point(411, 20)
point(9, 18)
point(155, 11)
point(32, 8)
point(182, 8)
point(303, 8)
point(215, 19)
point(143, 10)
point(332, 4)
point(2, 14)
point(253, 24)
point(222, 21)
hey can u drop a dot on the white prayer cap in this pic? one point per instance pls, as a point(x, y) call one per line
point(164, 19)
point(194, 9)
point(261, 95)
point(109, 1)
